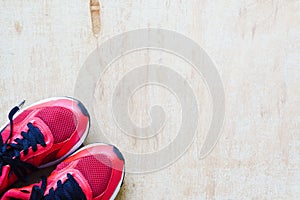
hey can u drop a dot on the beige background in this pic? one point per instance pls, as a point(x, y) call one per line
point(255, 45)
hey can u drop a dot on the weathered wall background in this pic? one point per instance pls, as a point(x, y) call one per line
point(255, 45)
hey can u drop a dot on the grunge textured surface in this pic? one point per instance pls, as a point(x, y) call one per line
point(256, 48)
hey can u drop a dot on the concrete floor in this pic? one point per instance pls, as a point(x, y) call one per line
point(255, 46)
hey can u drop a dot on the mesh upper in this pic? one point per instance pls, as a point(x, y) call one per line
point(96, 169)
point(61, 121)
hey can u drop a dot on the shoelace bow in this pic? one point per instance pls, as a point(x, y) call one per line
point(10, 152)
point(69, 190)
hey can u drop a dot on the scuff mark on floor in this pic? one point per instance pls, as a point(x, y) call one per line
point(95, 16)
point(18, 27)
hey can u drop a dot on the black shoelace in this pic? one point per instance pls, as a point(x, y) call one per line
point(69, 190)
point(10, 152)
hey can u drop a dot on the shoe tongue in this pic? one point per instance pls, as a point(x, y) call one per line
point(83, 184)
point(62, 175)
point(23, 127)
point(18, 121)
point(94, 168)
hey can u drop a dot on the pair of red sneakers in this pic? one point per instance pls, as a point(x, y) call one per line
point(47, 133)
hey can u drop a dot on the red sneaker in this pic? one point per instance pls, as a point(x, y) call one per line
point(94, 172)
point(41, 135)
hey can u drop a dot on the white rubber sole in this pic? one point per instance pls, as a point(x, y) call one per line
point(74, 148)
